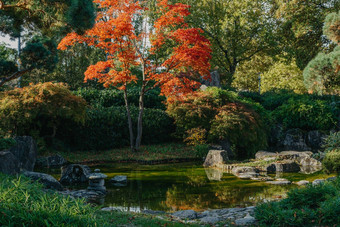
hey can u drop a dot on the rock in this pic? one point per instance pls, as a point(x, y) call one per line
point(247, 220)
point(302, 182)
point(247, 175)
point(271, 168)
point(309, 165)
point(315, 139)
point(91, 196)
point(25, 151)
point(318, 182)
point(262, 178)
point(110, 209)
point(331, 179)
point(282, 182)
point(213, 174)
point(281, 179)
point(261, 155)
point(9, 164)
point(47, 180)
point(55, 161)
point(245, 172)
point(96, 181)
point(74, 174)
point(295, 140)
point(185, 214)
point(287, 166)
point(24, 156)
point(293, 155)
point(209, 220)
point(119, 181)
point(309, 161)
point(243, 169)
point(153, 212)
point(216, 158)
point(227, 146)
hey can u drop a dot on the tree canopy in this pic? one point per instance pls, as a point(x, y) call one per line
point(322, 74)
point(168, 53)
point(46, 15)
point(238, 30)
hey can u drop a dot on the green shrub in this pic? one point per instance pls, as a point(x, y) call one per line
point(114, 97)
point(306, 113)
point(309, 196)
point(39, 109)
point(6, 143)
point(272, 99)
point(331, 210)
point(331, 162)
point(308, 206)
point(223, 115)
point(201, 150)
point(107, 128)
point(332, 142)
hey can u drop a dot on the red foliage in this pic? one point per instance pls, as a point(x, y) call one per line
point(115, 33)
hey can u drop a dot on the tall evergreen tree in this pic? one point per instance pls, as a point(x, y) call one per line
point(322, 74)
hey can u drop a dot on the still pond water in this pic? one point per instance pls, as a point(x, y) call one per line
point(182, 186)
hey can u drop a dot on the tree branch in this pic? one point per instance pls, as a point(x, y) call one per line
point(13, 76)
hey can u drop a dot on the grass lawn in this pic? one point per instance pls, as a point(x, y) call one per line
point(171, 151)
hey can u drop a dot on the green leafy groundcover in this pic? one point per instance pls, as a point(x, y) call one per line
point(23, 203)
point(308, 206)
point(6, 143)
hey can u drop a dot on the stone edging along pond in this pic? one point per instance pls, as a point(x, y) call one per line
point(237, 216)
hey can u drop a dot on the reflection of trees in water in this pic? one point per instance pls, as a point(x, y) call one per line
point(187, 188)
point(143, 194)
point(198, 194)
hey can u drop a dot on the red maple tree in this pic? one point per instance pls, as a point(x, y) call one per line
point(169, 53)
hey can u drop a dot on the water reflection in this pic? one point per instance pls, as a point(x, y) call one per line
point(185, 186)
point(214, 174)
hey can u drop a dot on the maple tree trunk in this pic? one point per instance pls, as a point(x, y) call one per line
point(129, 121)
point(140, 119)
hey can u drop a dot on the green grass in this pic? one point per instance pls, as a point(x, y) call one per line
point(158, 152)
point(23, 203)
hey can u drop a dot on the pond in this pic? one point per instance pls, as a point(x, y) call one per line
point(181, 186)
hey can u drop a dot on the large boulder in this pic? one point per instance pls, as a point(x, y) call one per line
point(309, 165)
point(216, 158)
point(47, 180)
point(23, 157)
point(315, 139)
point(295, 140)
point(75, 174)
point(9, 164)
point(309, 161)
point(25, 151)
